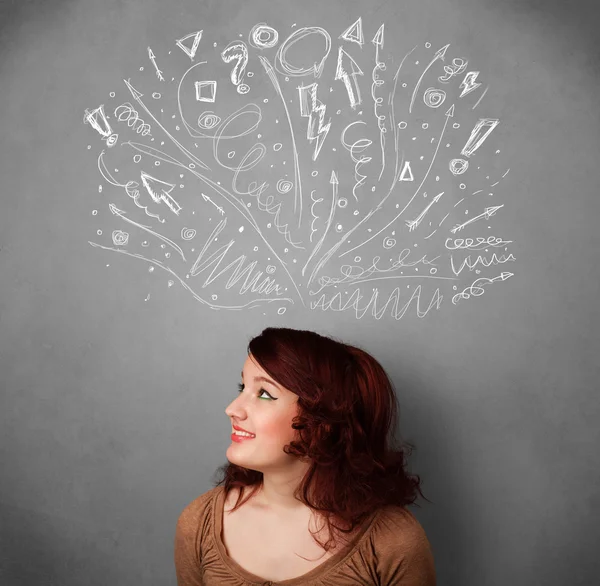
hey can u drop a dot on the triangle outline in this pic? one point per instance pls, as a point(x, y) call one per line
point(190, 51)
point(354, 33)
point(406, 171)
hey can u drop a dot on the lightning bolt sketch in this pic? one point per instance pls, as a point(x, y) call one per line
point(313, 109)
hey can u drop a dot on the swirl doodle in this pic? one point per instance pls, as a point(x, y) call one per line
point(127, 113)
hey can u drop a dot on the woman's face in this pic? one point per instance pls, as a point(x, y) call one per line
point(265, 409)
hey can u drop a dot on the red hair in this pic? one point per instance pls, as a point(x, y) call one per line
point(346, 424)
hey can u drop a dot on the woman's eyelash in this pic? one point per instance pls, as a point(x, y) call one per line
point(241, 388)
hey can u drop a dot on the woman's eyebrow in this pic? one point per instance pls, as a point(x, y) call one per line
point(262, 379)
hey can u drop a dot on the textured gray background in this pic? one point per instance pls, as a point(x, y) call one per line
point(112, 407)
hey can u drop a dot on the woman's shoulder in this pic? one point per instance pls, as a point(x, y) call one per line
point(195, 511)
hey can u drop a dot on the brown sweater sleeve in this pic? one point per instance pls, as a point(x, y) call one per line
point(187, 546)
point(404, 555)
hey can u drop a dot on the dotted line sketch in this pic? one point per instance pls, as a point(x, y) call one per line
point(254, 179)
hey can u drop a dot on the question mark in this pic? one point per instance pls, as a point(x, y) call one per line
point(237, 51)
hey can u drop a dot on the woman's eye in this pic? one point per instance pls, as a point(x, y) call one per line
point(241, 388)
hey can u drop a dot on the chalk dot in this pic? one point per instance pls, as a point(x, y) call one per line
point(414, 138)
point(456, 125)
point(373, 188)
point(99, 188)
point(89, 146)
point(314, 173)
point(421, 157)
point(462, 185)
point(157, 163)
point(428, 44)
point(416, 62)
point(402, 125)
point(266, 100)
point(338, 228)
point(99, 232)
point(95, 212)
point(425, 125)
point(287, 79)
point(170, 283)
point(339, 112)
point(141, 69)
point(168, 255)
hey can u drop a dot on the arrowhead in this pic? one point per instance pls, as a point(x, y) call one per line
point(343, 60)
point(334, 178)
point(150, 53)
point(506, 276)
point(137, 95)
point(378, 38)
point(437, 197)
point(155, 186)
point(205, 197)
point(450, 112)
point(441, 54)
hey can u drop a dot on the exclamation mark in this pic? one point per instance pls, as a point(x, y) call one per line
point(478, 135)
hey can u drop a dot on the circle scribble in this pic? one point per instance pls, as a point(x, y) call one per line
point(284, 186)
point(208, 120)
point(120, 238)
point(458, 166)
point(188, 233)
point(434, 98)
point(263, 36)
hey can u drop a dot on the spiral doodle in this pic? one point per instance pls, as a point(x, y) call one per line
point(434, 98)
point(188, 233)
point(263, 36)
point(208, 120)
point(389, 243)
point(127, 113)
point(119, 237)
point(283, 185)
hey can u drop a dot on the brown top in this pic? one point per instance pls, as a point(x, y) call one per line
point(390, 549)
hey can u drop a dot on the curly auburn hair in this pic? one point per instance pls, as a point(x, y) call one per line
point(346, 424)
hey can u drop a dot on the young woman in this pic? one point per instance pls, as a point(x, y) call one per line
point(327, 489)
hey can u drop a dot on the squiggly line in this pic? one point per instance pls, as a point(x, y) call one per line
point(358, 146)
point(249, 305)
point(127, 113)
point(476, 288)
point(393, 299)
point(315, 217)
point(379, 66)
